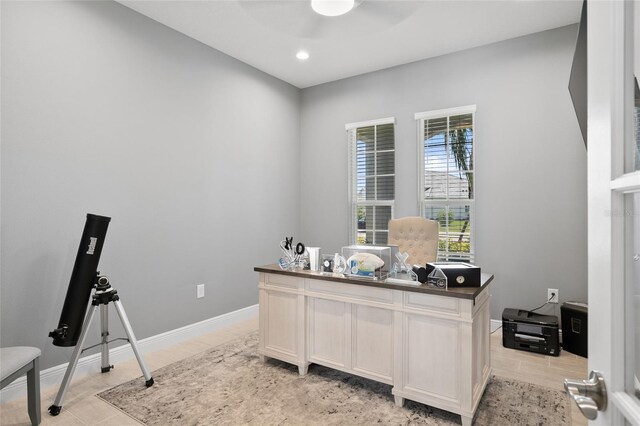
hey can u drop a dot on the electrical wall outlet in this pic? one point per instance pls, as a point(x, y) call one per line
point(552, 295)
point(199, 291)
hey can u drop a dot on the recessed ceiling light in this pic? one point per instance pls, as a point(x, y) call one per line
point(303, 55)
point(332, 7)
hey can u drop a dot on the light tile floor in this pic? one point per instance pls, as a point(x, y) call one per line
point(542, 370)
point(82, 407)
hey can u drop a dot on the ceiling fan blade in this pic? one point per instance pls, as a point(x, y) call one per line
point(298, 18)
point(388, 12)
point(313, 28)
point(290, 17)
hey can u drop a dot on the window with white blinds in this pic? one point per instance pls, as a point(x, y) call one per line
point(372, 179)
point(447, 184)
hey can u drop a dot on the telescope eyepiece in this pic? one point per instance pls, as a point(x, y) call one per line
point(103, 280)
point(60, 332)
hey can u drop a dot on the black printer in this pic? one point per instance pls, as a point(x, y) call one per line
point(528, 331)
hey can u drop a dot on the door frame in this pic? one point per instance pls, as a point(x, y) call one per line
point(610, 44)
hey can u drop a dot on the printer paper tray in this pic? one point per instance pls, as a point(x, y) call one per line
point(529, 337)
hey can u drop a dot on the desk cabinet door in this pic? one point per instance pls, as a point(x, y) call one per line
point(372, 340)
point(432, 356)
point(328, 320)
point(281, 322)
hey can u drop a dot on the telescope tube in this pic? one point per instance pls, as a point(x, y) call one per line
point(82, 280)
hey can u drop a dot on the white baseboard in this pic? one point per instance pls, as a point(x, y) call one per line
point(495, 324)
point(91, 363)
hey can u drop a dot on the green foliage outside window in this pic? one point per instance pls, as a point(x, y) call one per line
point(455, 246)
point(441, 217)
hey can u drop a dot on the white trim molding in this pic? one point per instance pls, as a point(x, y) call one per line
point(627, 404)
point(379, 121)
point(468, 109)
point(626, 183)
point(90, 364)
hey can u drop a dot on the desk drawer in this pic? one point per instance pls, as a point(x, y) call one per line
point(277, 280)
point(432, 303)
point(352, 291)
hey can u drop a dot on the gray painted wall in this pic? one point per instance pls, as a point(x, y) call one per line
point(189, 151)
point(530, 158)
point(108, 112)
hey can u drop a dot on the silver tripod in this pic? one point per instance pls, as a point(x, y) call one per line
point(104, 294)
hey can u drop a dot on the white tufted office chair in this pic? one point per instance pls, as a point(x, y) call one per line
point(417, 236)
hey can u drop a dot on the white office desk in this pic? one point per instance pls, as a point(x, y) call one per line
point(431, 345)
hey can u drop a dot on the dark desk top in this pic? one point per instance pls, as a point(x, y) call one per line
point(459, 292)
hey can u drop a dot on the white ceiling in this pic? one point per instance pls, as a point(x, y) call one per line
point(376, 34)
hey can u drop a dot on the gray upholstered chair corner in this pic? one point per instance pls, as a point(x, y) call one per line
point(16, 361)
point(417, 236)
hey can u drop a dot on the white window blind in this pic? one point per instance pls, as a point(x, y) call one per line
point(447, 186)
point(372, 179)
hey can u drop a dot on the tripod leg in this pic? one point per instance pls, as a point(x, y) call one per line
point(104, 345)
point(133, 342)
point(57, 403)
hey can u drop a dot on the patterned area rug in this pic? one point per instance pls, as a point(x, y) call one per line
point(229, 385)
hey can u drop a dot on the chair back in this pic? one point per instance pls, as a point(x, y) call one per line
point(417, 236)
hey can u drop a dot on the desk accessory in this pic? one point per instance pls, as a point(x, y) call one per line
point(401, 265)
point(406, 278)
point(364, 264)
point(314, 258)
point(292, 257)
point(363, 269)
point(420, 273)
point(339, 264)
point(327, 263)
point(382, 252)
point(460, 274)
point(435, 276)
point(334, 263)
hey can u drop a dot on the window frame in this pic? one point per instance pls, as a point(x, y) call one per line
point(420, 117)
point(351, 130)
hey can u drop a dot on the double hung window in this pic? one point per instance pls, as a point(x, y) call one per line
point(447, 178)
point(372, 179)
